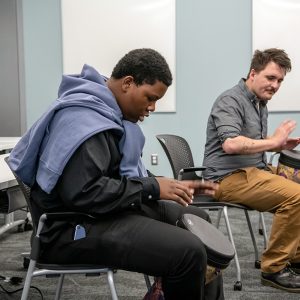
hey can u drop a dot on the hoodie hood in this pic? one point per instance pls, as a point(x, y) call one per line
point(85, 106)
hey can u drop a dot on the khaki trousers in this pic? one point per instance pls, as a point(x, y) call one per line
point(265, 191)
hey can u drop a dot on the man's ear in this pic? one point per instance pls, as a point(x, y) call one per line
point(252, 73)
point(127, 82)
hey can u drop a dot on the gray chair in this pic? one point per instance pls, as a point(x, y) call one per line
point(180, 157)
point(36, 268)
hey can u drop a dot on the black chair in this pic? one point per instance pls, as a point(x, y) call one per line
point(181, 159)
point(36, 268)
point(11, 200)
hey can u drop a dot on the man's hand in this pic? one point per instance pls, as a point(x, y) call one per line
point(207, 188)
point(282, 132)
point(291, 143)
point(183, 191)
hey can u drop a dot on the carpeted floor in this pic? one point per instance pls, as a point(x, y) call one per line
point(131, 286)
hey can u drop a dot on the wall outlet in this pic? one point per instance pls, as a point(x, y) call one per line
point(154, 159)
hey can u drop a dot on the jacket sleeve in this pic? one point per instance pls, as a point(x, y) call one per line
point(91, 182)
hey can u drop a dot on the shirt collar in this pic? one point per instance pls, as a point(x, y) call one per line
point(250, 95)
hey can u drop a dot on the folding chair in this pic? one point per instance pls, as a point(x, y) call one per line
point(36, 268)
point(181, 159)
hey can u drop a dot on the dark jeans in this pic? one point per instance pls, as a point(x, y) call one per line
point(144, 241)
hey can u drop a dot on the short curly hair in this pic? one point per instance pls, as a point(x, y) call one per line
point(145, 65)
point(262, 58)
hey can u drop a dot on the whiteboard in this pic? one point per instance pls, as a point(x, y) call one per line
point(276, 24)
point(100, 33)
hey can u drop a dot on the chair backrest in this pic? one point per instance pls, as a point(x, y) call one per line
point(26, 190)
point(178, 152)
point(180, 157)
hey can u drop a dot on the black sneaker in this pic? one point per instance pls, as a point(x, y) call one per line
point(295, 267)
point(286, 280)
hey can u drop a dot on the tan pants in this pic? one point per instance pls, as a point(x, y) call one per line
point(265, 191)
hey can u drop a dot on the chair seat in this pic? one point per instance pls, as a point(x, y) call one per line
point(70, 266)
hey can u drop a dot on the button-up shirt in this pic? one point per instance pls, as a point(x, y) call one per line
point(236, 112)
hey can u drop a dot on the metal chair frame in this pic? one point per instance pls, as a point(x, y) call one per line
point(39, 269)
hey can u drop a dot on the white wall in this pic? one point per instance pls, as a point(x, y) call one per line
point(213, 50)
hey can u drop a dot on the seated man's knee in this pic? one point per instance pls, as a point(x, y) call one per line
point(192, 257)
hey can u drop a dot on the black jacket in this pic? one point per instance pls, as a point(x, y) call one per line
point(91, 183)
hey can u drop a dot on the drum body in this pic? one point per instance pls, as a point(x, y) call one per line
point(289, 165)
point(218, 248)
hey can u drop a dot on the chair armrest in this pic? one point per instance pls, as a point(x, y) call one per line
point(36, 243)
point(68, 216)
point(61, 216)
point(189, 170)
point(193, 169)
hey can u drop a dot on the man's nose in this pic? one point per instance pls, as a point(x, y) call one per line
point(276, 84)
point(151, 107)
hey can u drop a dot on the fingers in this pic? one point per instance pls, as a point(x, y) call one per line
point(171, 189)
point(183, 191)
point(288, 122)
point(289, 125)
point(282, 133)
point(184, 201)
point(201, 184)
point(180, 197)
point(294, 140)
point(206, 192)
point(184, 194)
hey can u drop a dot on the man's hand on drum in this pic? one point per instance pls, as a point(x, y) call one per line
point(291, 143)
point(183, 191)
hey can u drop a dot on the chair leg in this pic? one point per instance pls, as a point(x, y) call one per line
point(28, 280)
point(263, 228)
point(238, 283)
point(59, 286)
point(220, 211)
point(257, 261)
point(110, 278)
point(148, 282)
point(260, 229)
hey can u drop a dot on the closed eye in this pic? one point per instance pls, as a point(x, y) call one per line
point(273, 78)
point(152, 99)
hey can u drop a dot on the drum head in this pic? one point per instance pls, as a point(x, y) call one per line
point(219, 250)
